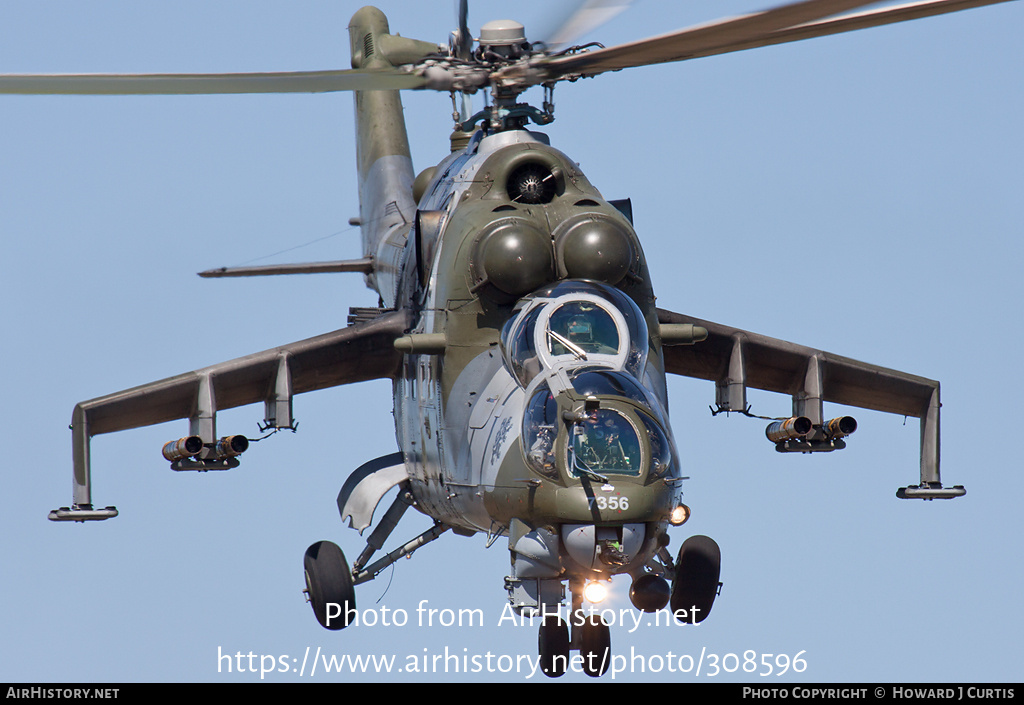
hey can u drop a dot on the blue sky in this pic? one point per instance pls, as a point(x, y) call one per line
point(858, 193)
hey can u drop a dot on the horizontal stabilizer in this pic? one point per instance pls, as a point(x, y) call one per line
point(364, 266)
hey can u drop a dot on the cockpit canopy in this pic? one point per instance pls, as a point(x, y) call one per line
point(610, 440)
point(574, 323)
point(585, 344)
point(606, 443)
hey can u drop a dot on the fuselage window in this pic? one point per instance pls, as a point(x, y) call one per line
point(661, 449)
point(540, 428)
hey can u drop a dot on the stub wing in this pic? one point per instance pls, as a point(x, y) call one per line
point(358, 353)
point(735, 359)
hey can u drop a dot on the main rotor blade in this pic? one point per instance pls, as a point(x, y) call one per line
point(701, 40)
point(590, 15)
point(464, 47)
point(860, 20)
point(204, 84)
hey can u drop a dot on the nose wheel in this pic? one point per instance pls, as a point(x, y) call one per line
point(595, 646)
point(695, 586)
point(590, 636)
point(553, 644)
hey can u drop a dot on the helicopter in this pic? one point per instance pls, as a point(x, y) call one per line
point(571, 354)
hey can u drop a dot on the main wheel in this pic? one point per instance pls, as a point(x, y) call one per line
point(649, 593)
point(696, 585)
point(553, 644)
point(595, 646)
point(329, 585)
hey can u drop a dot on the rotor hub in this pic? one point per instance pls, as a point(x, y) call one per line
point(502, 33)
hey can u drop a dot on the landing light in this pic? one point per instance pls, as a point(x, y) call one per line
point(679, 515)
point(595, 592)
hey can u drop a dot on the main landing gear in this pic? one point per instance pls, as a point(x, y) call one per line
point(697, 570)
point(695, 584)
point(330, 584)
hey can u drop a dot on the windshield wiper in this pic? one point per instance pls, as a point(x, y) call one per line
point(575, 349)
point(581, 469)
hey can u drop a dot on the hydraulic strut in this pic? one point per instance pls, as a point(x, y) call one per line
point(426, 537)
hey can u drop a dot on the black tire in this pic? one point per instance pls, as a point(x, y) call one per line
point(649, 593)
point(696, 585)
point(329, 582)
point(595, 646)
point(553, 644)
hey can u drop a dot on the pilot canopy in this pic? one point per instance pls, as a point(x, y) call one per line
point(574, 323)
point(579, 349)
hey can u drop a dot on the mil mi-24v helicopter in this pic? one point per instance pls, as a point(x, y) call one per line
point(518, 323)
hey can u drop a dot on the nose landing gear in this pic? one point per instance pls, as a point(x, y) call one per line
point(595, 646)
point(589, 635)
point(695, 584)
point(553, 644)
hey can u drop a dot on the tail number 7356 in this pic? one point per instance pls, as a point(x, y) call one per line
point(616, 503)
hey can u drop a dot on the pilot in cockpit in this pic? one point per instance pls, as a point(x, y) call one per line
point(614, 457)
point(541, 451)
point(580, 330)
